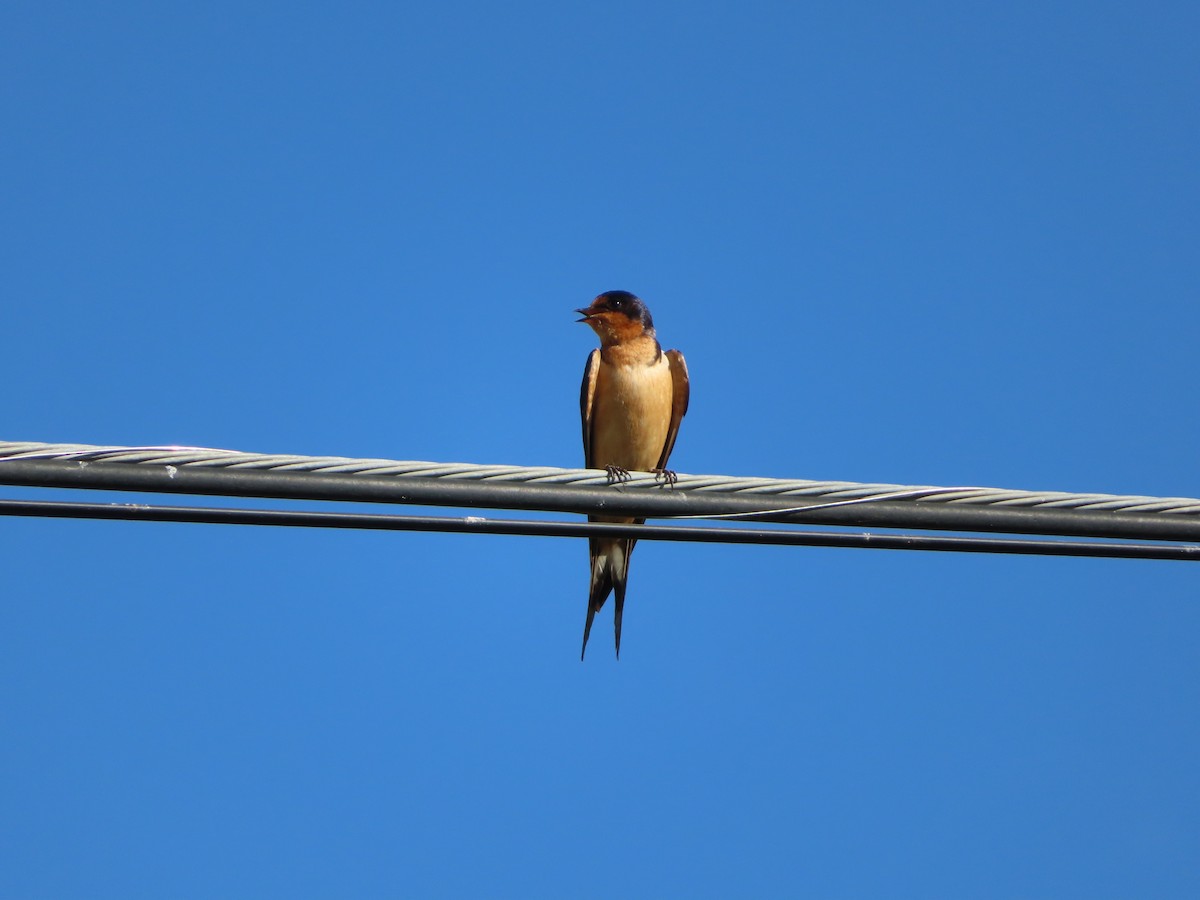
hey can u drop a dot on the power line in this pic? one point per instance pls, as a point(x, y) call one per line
point(205, 471)
point(688, 533)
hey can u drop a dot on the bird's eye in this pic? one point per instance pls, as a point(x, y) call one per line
point(617, 302)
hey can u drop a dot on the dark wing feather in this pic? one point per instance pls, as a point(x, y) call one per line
point(679, 402)
point(587, 394)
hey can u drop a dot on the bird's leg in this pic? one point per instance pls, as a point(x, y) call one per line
point(616, 473)
point(665, 477)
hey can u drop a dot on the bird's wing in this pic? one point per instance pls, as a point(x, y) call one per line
point(587, 394)
point(680, 390)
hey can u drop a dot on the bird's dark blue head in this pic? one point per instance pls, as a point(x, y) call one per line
point(612, 304)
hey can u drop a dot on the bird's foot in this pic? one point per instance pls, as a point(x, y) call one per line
point(616, 474)
point(665, 477)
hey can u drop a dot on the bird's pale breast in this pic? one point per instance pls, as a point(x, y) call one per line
point(632, 414)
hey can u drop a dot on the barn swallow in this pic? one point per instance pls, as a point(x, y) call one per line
point(631, 402)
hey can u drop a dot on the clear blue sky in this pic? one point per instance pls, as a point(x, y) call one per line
point(927, 243)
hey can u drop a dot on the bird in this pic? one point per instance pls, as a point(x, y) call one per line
point(633, 397)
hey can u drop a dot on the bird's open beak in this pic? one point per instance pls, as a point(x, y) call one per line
point(586, 313)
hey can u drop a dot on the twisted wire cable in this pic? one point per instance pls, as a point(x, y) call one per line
point(819, 491)
point(202, 470)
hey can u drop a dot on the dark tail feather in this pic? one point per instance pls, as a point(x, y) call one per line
point(587, 629)
point(619, 577)
point(601, 587)
point(610, 567)
point(619, 608)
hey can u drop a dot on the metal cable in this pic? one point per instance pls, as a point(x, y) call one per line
point(818, 491)
point(199, 470)
point(477, 525)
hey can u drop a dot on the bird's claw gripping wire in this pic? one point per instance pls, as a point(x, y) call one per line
point(616, 474)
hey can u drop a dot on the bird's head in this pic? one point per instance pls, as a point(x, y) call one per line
point(617, 316)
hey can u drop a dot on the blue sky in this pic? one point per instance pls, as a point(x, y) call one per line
point(925, 243)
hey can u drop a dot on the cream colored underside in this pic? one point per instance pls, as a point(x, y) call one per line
point(631, 414)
